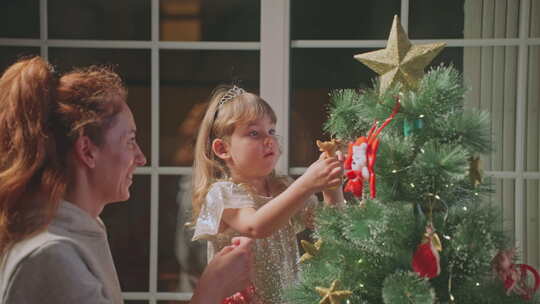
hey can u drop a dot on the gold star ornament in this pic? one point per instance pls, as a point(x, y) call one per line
point(331, 295)
point(475, 170)
point(400, 61)
point(311, 250)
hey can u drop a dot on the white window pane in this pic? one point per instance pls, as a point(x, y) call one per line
point(19, 19)
point(10, 54)
point(342, 20)
point(99, 19)
point(210, 20)
point(532, 251)
point(532, 115)
point(128, 228)
point(180, 261)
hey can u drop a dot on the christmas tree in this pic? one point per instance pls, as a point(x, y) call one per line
point(428, 234)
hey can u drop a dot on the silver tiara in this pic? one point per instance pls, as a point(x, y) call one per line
point(230, 95)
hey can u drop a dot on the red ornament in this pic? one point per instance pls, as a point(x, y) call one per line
point(516, 277)
point(426, 260)
point(360, 162)
point(245, 296)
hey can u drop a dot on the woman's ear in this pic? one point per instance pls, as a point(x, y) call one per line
point(85, 151)
point(221, 148)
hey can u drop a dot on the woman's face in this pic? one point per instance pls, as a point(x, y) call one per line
point(118, 157)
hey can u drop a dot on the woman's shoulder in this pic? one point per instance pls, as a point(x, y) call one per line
point(56, 250)
point(41, 249)
point(43, 252)
point(30, 279)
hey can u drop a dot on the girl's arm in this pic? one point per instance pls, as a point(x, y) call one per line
point(323, 173)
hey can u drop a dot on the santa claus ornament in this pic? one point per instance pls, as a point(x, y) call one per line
point(361, 155)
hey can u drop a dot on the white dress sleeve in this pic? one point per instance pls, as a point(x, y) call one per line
point(222, 195)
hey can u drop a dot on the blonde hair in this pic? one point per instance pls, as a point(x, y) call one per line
point(220, 120)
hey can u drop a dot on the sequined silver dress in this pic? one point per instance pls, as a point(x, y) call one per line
point(276, 257)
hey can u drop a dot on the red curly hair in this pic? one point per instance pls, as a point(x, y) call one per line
point(41, 116)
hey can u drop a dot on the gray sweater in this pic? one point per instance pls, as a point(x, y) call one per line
point(70, 262)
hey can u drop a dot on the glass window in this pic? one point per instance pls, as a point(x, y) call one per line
point(180, 261)
point(132, 65)
point(535, 21)
point(128, 227)
point(210, 20)
point(532, 114)
point(463, 19)
point(436, 19)
point(491, 75)
point(504, 199)
point(187, 79)
point(19, 19)
point(343, 20)
point(315, 74)
point(532, 213)
point(99, 19)
point(11, 54)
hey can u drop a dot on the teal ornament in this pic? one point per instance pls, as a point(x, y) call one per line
point(410, 126)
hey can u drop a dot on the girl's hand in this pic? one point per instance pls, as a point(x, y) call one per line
point(323, 173)
point(334, 195)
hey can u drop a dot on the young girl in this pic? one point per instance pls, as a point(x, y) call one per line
point(236, 192)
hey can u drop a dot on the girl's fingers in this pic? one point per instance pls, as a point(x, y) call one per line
point(337, 171)
point(339, 156)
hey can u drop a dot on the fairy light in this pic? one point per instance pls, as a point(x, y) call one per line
point(422, 150)
point(394, 171)
point(437, 197)
point(477, 284)
point(476, 193)
point(464, 208)
point(421, 116)
point(447, 237)
point(412, 185)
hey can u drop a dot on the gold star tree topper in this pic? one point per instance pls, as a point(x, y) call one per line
point(331, 295)
point(400, 61)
